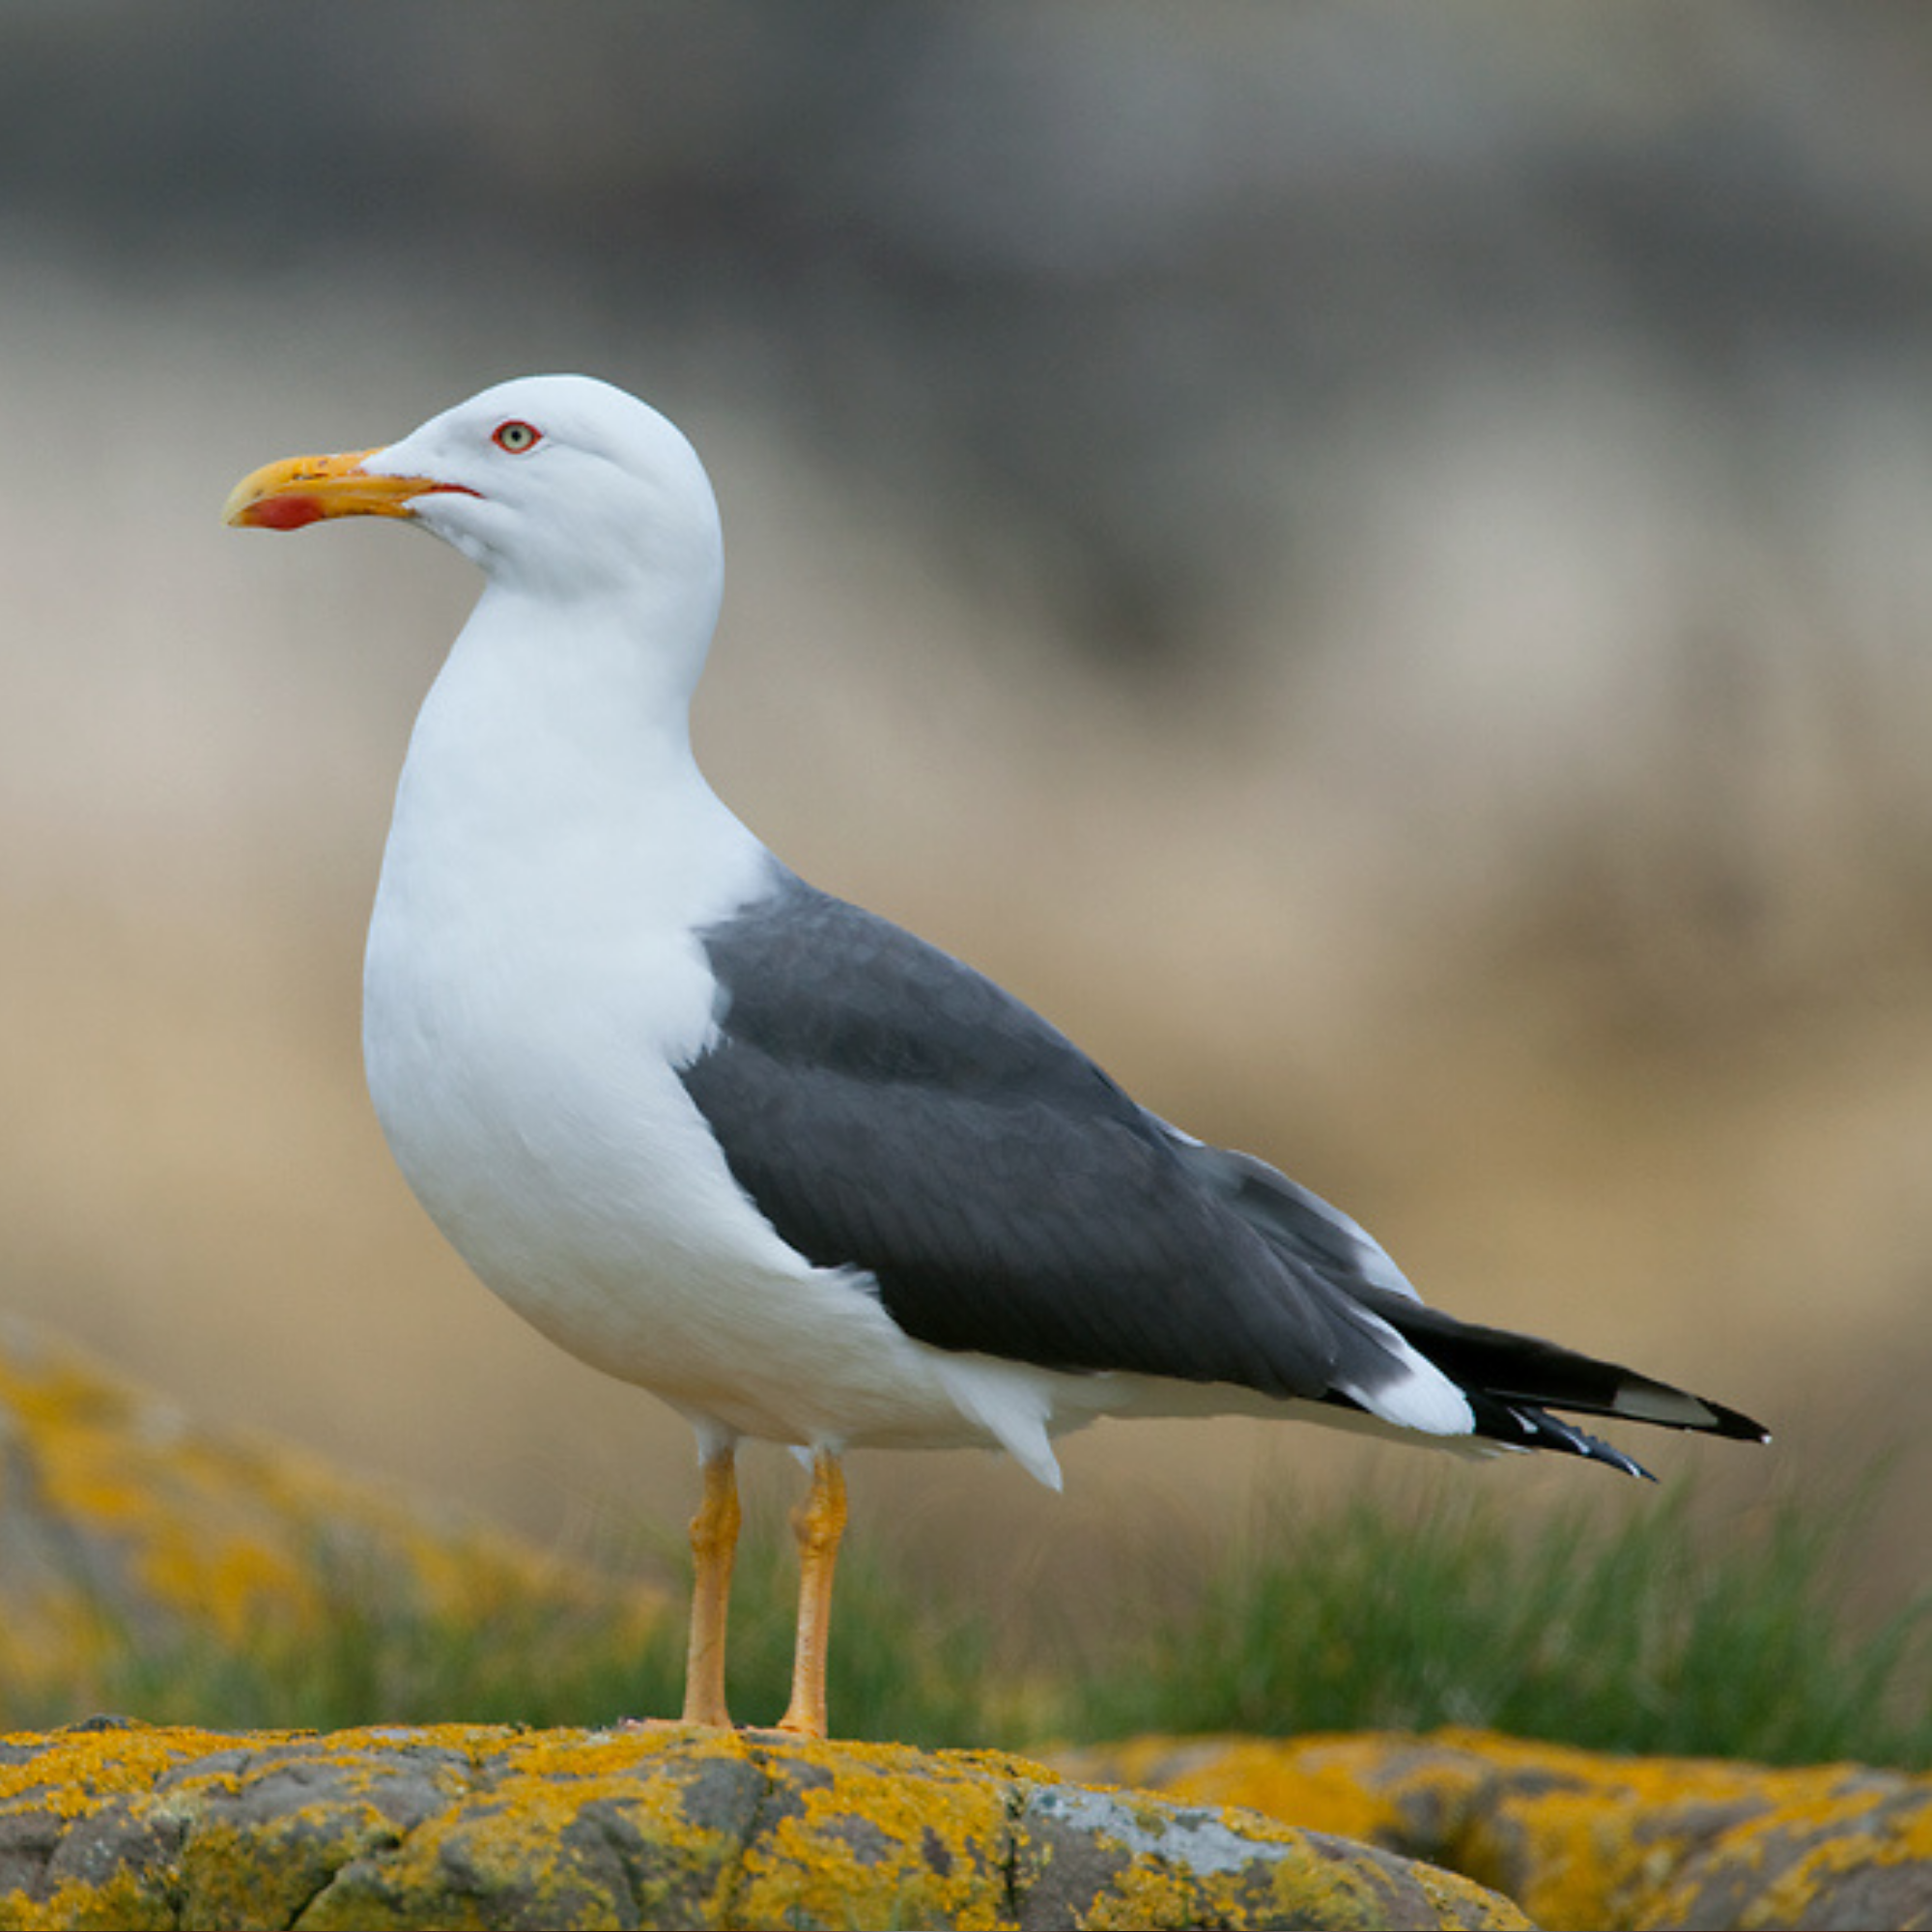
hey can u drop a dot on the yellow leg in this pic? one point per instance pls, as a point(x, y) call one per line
point(819, 1524)
point(714, 1542)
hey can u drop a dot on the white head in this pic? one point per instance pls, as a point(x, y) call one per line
point(560, 487)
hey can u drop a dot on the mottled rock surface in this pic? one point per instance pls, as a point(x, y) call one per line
point(123, 1825)
point(1579, 1839)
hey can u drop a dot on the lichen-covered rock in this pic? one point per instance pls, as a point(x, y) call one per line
point(1584, 1839)
point(1099, 1859)
point(126, 1527)
point(120, 1824)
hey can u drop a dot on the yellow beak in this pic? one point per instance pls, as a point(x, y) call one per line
point(304, 489)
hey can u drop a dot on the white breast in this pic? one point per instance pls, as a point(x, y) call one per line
point(533, 984)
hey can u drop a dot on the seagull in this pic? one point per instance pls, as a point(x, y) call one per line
point(723, 1136)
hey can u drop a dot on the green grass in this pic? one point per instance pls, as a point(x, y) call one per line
point(1617, 1627)
point(903, 1665)
point(1621, 1631)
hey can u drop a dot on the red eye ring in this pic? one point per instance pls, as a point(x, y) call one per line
point(516, 438)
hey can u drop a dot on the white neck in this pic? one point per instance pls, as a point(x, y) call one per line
point(590, 680)
point(551, 770)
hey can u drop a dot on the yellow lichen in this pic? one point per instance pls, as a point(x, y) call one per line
point(1580, 1839)
point(189, 1531)
point(120, 1901)
point(73, 1771)
point(1312, 1783)
point(685, 1826)
point(869, 1846)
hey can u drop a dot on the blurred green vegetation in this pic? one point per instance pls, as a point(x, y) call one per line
point(1640, 1630)
point(1636, 1628)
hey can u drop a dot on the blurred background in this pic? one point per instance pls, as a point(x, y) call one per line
point(1373, 562)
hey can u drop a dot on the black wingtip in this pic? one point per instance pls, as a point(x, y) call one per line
point(1525, 1425)
point(1735, 1424)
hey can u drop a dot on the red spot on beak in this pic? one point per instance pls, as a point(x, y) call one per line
point(287, 513)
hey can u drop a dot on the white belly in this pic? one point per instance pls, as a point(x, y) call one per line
point(523, 1070)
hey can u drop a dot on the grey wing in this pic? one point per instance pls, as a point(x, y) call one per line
point(888, 1109)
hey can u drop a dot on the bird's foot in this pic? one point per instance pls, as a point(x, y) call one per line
point(788, 1729)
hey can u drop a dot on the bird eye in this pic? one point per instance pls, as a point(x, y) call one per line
point(517, 437)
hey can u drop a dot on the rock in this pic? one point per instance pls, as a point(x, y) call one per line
point(1579, 1838)
point(123, 1825)
point(127, 1528)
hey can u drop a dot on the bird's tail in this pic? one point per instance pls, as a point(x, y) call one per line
point(1513, 1382)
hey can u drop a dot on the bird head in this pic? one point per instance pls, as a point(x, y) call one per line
point(556, 485)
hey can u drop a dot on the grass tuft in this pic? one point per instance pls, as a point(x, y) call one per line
point(1631, 1631)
